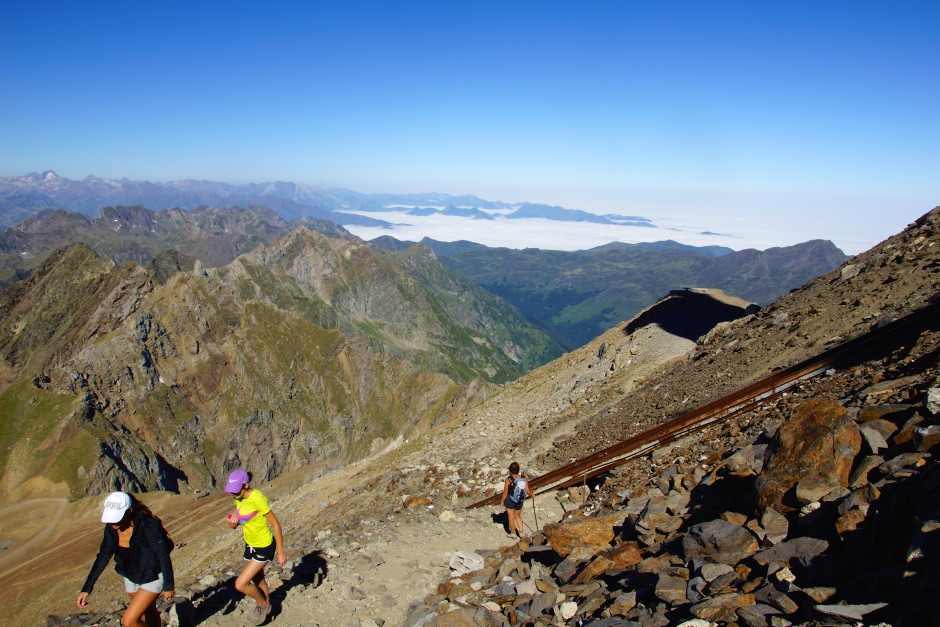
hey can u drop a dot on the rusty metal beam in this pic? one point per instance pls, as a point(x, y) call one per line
point(726, 407)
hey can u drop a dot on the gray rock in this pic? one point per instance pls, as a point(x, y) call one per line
point(722, 541)
point(541, 603)
point(756, 615)
point(709, 572)
point(782, 602)
point(802, 549)
point(747, 461)
point(814, 489)
point(671, 589)
point(695, 589)
point(854, 612)
point(896, 464)
point(933, 401)
point(504, 588)
point(722, 583)
point(677, 502)
point(775, 525)
point(873, 438)
point(654, 516)
point(859, 476)
point(925, 438)
point(526, 587)
point(463, 562)
point(849, 271)
point(623, 603)
point(860, 497)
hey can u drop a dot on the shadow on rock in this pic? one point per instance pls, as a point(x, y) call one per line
point(218, 597)
point(222, 597)
point(309, 572)
point(501, 518)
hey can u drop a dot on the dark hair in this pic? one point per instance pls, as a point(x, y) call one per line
point(514, 468)
point(139, 510)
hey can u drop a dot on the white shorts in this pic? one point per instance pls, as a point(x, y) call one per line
point(155, 586)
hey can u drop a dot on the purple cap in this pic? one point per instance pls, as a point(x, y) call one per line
point(236, 480)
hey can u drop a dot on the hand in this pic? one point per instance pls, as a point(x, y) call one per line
point(82, 601)
point(168, 594)
point(281, 558)
point(232, 520)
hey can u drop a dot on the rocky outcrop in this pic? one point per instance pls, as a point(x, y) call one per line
point(863, 553)
point(189, 378)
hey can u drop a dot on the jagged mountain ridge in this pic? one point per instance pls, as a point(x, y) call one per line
point(314, 347)
point(590, 293)
point(214, 235)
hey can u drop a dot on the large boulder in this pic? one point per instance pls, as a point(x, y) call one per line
point(594, 533)
point(815, 447)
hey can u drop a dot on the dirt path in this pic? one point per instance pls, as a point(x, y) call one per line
point(15, 558)
point(391, 565)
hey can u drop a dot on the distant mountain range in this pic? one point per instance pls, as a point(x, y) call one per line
point(25, 196)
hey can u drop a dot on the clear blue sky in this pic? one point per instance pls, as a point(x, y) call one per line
point(827, 112)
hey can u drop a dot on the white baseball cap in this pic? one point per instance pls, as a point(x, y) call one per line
point(115, 506)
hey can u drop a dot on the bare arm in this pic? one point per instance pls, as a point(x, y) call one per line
point(278, 537)
point(505, 491)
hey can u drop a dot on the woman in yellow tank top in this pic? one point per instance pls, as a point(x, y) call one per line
point(253, 514)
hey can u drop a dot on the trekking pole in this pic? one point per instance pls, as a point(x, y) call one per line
point(534, 512)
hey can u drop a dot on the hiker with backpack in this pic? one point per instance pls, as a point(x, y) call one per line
point(515, 491)
point(141, 549)
point(253, 513)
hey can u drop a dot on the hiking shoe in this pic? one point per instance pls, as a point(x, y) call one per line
point(260, 613)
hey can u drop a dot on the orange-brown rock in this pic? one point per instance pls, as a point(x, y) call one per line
point(625, 555)
point(850, 521)
point(416, 501)
point(595, 533)
point(722, 607)
point(596, 568)
point(818, 443)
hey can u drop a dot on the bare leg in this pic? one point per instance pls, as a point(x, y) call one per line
point(262, 585)
point(517, 514)
point(512, 521)
point(245, 583)
point(142, 606)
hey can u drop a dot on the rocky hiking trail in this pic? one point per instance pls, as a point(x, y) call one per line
point(821, 507)
point(373, 569)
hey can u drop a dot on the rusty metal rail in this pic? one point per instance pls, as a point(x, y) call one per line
point(729, 406)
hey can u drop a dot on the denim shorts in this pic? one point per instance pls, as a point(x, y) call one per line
point(155, 586)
